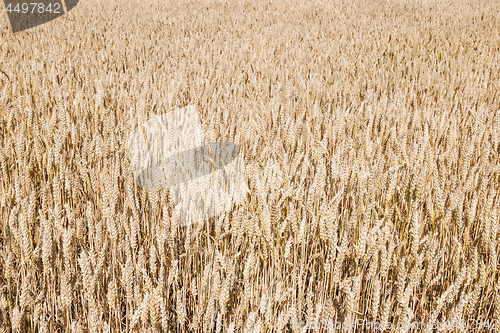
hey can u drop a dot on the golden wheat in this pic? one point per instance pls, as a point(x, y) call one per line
point(370, 134)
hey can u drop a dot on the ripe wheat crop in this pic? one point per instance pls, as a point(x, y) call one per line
point(370, 132)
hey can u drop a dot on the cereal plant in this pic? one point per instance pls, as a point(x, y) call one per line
point(370, 134)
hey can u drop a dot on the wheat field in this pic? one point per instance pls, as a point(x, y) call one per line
point(370, 132)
